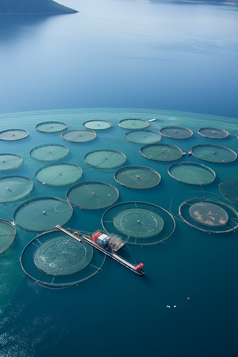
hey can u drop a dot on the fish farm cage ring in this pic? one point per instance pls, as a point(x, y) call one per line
point(10, 161)
point(176, 132)
point(213, 153)
point(105, 159)
point(56, 261)
point(92, 195)
point(49, 152)
point(13, 135)
point(13, 188)
point(192, 173)
point(208, 215)
point(97, 125)
point(137, 177)
point(133, 124)
point(161, 152)
point(42, 213)
point(50, 127)
point(229, 189)
point(78, 135)
point(142, 136)
point(59, 174)
point(139, 223)
point(62, 255)
point(7, 235)
point(213, 133)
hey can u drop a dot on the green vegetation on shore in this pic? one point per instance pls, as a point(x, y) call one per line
point(33, 7)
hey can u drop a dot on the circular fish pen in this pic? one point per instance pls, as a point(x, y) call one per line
point(105, 159)
point(213, 133)
point(192, 173)
point(59, 174)
point(13, 188)
point(49, 152)
point(97, 125)
point(161, 152)
point(13, 135)
point(7, 235)
point(137, 177)
point(50, 127)
point(208, 215)
point(42, 213)
point(10, 161)
point(78, 135)
point(229, 189)
point(56, 261)
point(142, 136)
point(176, 132)
point(92, 195)
point(133, 124)
point(139, 223)
point(213, 153)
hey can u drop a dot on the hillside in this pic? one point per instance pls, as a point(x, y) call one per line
point(33, 7)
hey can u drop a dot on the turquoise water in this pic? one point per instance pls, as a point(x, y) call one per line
point(173, 62)
point(190, 264)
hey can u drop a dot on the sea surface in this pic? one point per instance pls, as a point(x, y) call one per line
point(176, 63)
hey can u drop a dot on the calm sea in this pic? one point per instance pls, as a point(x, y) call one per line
point(123, 59)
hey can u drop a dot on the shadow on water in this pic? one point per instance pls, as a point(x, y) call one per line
point(15, 27)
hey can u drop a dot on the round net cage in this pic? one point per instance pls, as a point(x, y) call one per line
point(10, 161)
point(213, 133)
point(7, 235)
point(97, 125)
point(176, 132)
point(13, 188)
point(42, 213)
point(13, 135)
point(213, 153)
point(49, 152)
point(78, 135)
point(229, 189)
point(139, 223)
point(59, 174)
point(92, 195)
point(51, 127)
point(161, 152)
point(142, 136)
point(192, 173)
point(55, 260)
point(105, 159)
point(208, 215)
point(137, 177)
point(134, 124)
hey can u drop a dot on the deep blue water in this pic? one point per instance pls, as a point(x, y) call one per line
point(122, 54)
point(173, 62)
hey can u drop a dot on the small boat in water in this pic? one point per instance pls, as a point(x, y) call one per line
point(108, 244)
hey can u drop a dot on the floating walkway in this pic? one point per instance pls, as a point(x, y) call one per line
point(87, 238)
